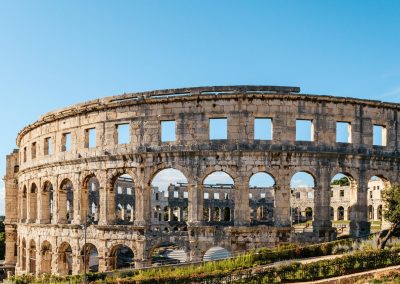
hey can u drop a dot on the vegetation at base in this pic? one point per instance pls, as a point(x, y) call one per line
point(391, 213)
point(251, 266)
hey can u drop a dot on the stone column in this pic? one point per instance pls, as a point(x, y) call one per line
point(359, 225)
point(38, 261)
point(282, 201)
point(142, 205)
point(322, 224)
point(54, 262)
point(195, 200)
point(78, 219)
point(77, 262)
point(11, 240)
point(103, 200)
point(242, 209)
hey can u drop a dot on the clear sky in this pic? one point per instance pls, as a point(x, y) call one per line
point(57, 53)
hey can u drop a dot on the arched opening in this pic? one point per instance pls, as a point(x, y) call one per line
point(24, 204)
point(66, 202)
point(89, 254)
point(340, 213)
point(262, 198)
point(23, 255)
point(168, 253)
point(216, 253)
point(169, 192)
point(343, 188)
point(122, 257)
point(47, 203)
point(309, 213)
point(46, 254)
point(302, 186)
point(219, 192)
point(124, 189)
point(332, 211)
point(33, 203)
point(376, 185)
point(32, 257)
point(90, 209)
point(379, 213)
point(65, 259)
point(370, 212)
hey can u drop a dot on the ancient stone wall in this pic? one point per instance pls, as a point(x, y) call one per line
point(55, 163)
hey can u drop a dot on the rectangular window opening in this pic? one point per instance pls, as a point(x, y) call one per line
point(25, 154)
point(343, 132)
point(206, 195)
point(47, 147)
point(66, 142)
point(123, 133)
point(216, 195)
point(33, 150)
point(379, 135)
point(304, 130)
point(263, 128)
point(176, 194)
point(218, 128)
point(168, 131)
point(90, 138)
point(185, 194)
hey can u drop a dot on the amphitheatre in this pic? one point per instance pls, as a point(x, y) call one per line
point(74, 167)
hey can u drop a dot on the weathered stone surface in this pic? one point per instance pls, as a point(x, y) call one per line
point(31, 233)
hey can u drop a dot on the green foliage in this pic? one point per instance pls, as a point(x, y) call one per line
point(391, 198)
point(343, 181)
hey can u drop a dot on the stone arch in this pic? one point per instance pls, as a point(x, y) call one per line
point(33, 197)
point(216, 253)
point(370, 212)
point(303, 185)
point(89, 258)
point(155, 170)
point(123, 197)
point(219, 191)
point(344, 187)
point(165, 252)
point(340, 213)
point(262, 197)
point(65, 259)
point(90, 194)
point(46, 257)
point(212, 169)
point(32, 257)
point(121, 256)
point(66, 201)
point(47, 204)
point(168, 188)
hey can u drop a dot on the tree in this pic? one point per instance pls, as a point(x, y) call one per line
point(391, 212)
point(343, 181)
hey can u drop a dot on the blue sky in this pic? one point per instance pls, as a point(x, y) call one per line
point(57, 53)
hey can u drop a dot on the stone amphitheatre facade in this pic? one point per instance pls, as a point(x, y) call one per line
point(55, 175)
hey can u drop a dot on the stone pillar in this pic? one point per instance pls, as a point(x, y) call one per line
point(142, 205)
point(322, 224)
point(76, 262)
point(103, 200)
point(10, 242)
point(54, 262)
point(195, 200)
point(282, 201)
point(78, 191)
point(242, 209)
point(345, 214)
point(359, 225)
point(38, 261)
